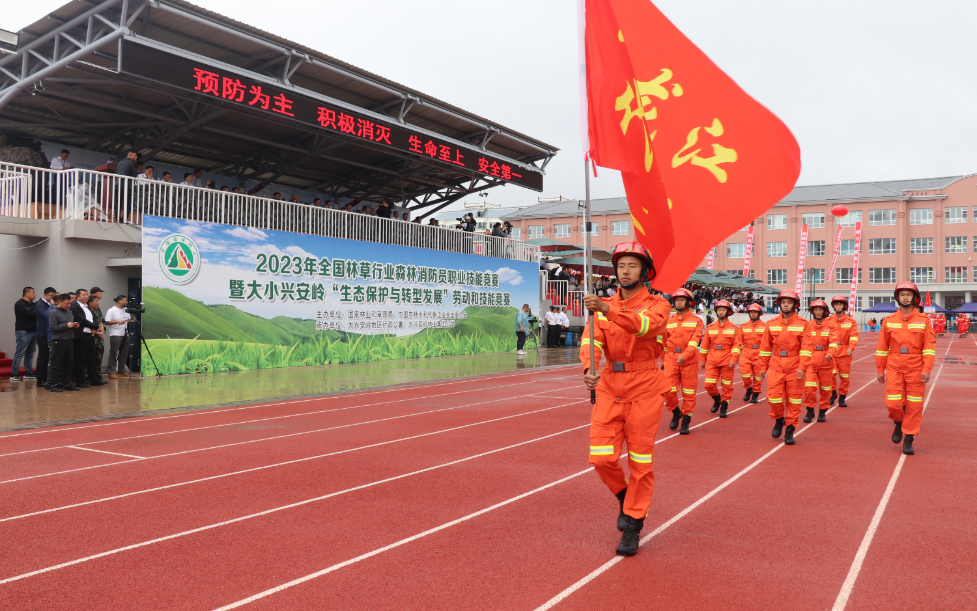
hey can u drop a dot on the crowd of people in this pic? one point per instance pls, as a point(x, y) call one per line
point(68, 333)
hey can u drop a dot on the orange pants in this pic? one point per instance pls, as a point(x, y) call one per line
point(717, 374)
point(843, 367)
point(749, 370)
point(611, 423)
point(682, 379)
point(818, 380)
point(785, 393)
point(904, 398)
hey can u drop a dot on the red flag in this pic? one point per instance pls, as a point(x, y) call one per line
point(928, 302)
point(691, 145)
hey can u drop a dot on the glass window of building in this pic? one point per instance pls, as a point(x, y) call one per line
point(955, 274)
point(920, 246)
point(921, 216)
point(561, 231)
point(843, 275)
point(776, 221)
point(881, 275)
point(881, 217)
point(813, 220)
point(776, 276)
point(847, 247)
point(955, 214)
point(956, 243)
point(849, 220)
point(516, 233)
point(858, 304)
point(736, 250)
point(921, 275)
point(776, 249)
point(815, 248)
point(874, 301)
point(620, 227)
point(882, 246)
point(593, 228)
point(536, 232)
point(814, 276)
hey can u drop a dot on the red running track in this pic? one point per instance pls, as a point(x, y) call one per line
point(476, 494)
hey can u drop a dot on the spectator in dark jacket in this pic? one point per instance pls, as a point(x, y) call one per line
point(62, 324)
point(24, 328)
point(43, 334)
point(84, 343)
point(385, 211)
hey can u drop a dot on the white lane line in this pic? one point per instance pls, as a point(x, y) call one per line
point(205, 412)
point(856, 566)
point(250, 441)
point(613, 561)
point(279, 464)
point(104, 452)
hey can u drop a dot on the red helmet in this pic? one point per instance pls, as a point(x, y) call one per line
point(722, 303)
point(907, 286)
point(789, 295)
point(818, 303)
point(683, 293)
point(840, 298)
point(754, 307)
point(634, 249)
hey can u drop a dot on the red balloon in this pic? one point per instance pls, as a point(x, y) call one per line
point(839, 211)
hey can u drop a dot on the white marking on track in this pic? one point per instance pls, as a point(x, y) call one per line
point(105, 452)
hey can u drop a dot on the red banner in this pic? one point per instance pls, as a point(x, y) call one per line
point(854, 269)
point(749, 252)
point(834, 257)
point(712, 256)
point(799, 285)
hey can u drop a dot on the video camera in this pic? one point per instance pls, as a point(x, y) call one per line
point(134, 309)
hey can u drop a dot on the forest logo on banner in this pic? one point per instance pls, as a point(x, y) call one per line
point(179, 258)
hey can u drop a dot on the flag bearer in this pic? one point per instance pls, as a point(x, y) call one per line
point(627, 330)
point(780, 352)
point(817, 359)
point(683, 333)
point(904, 357)
point(752, 331)
point(720, 350)
point(847, 330)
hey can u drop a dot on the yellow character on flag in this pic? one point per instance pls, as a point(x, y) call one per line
point(643, 108)
point(720, 154)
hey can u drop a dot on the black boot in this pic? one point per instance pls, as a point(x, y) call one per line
point(789, 435)
point(809, 416)
point(749, 393)
point(631, 537)
point(715, 403)
point(756, 398)
point(722, 409)
point(822, 415)
point(907, 445)
point(841, 401)
point(778, 428)
point(834, 397)
point(676, 416)
point(622, 518)
point(897, 434)
point(685, 424)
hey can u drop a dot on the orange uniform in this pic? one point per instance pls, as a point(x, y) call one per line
point(719, 352)
point(906, 350)
point(750, 356)
point(820, 341)
point(963, 324)
point(629, 394)
point(847, 330)
point(682, 336)
point(780, 351)
point(939, 325)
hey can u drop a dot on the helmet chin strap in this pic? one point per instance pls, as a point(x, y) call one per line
point(630, 286)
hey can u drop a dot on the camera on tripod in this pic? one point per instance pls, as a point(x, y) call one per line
point(134, 309)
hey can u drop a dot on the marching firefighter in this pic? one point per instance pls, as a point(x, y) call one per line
point(628, 330)
point(817, 360)
point(847, 330)
point(719, 350)
point(904, 357)
point(963, 325)
point(683, 333)
point(752, 331)
point(780, 352)
point(939, 325)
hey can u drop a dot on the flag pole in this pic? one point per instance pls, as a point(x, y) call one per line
point(588, 268)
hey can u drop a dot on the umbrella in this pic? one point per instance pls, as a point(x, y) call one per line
point(546, 244)
point(575, 262)
point(603, 255)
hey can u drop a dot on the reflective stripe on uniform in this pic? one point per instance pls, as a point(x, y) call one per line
point(693, 344)
point(893, 397)
point(645, 325)
point(689, 391)
point(795, 401)
point(601, 450)
point(727, 382)
point(674, 389)
point(916, 325)
point(814, 384)
point(894, 325)
point(746, 375)
point(704, 350)
point(709, 381)
point(881, 353)
point(736, 350)
point(585, 341)
point(844, 375)
point(825, 388)
point(762, 353)
point(912, 398)
point(776, 328)
point(643, 458)
point(690, 324)
point(805, 353)
point(933, 352)
point(795, 328)
point(772, 400)
point(671, 325)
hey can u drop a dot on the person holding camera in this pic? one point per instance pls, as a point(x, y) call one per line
point(466, 223)
point(117, 321)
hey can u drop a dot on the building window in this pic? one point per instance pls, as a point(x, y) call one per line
point(921, 216)
point(776, 276)
point(776, 221)
point(536, 232)
point(620, 227)
point(593, 228)
point(955, 214)
point(955, 274)
point(874, 301)
point(561, 231)
point(843, 275)
point(847, 247)
point(921, 275)
point(736, 250)
point(881, 217)
point(814, 276)
point(815, 248)
point(882, 246)
point(881, 275)
point(920, 246)
point(813, 220)
point(858, 304)
point(776, 249)
point(516, 233)
point(956, 243)
point(849, 220)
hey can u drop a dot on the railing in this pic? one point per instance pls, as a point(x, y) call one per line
point(556, 291)
point(14, 192)
point(575, 303)
point(96, 196)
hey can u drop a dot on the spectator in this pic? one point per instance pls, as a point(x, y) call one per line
point(210, 184)
point(197, 182)
point(117, 320)
point(224, 189)
point(367, 210)
point(329, 204)
point(236, 190)
point(612, 289)
point(147, 174)
point(498, 232)
point(564, 319)
point(405, 216)
point(295, 198)
point(61, 161)
point(384, 211)
point(522, 327)
point(552, 328)
point(167, 177)
point(187, 180)
point(25, 326)
point(127, 167)
point(277, 196)
point(62, 325)
point(317, 202)
point(94, 299)
point(395, 215)
point(43, 335)
point(84, 342)
point(433, 222)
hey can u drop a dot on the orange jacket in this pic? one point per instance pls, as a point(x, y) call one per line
point(682, 336)
point(963, 323)
point(781, 343)
point(721, 343)
point(820, 340)
point(630, 334)
point(847, 333)
point(906, 343)
point(752, 335)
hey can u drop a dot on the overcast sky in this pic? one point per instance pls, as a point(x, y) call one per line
point(873, 90)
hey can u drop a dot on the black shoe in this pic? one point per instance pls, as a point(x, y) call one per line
point(69, 387)
point(907, 446)
point(100, 383)
point(30, 376)
point(722, 409)
point(841, 401)
point(778, 428)
point(834, 397)
point(789, 435)
point(685, 425)
point(809, 416)
point(749, 393)
point(715, 403)
point(56, 389)
point(822, 415)
point(897, 434)
point(676, 416)
point(622, 518)
point(631, 537)
point(756, 398)
point(84, 385)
